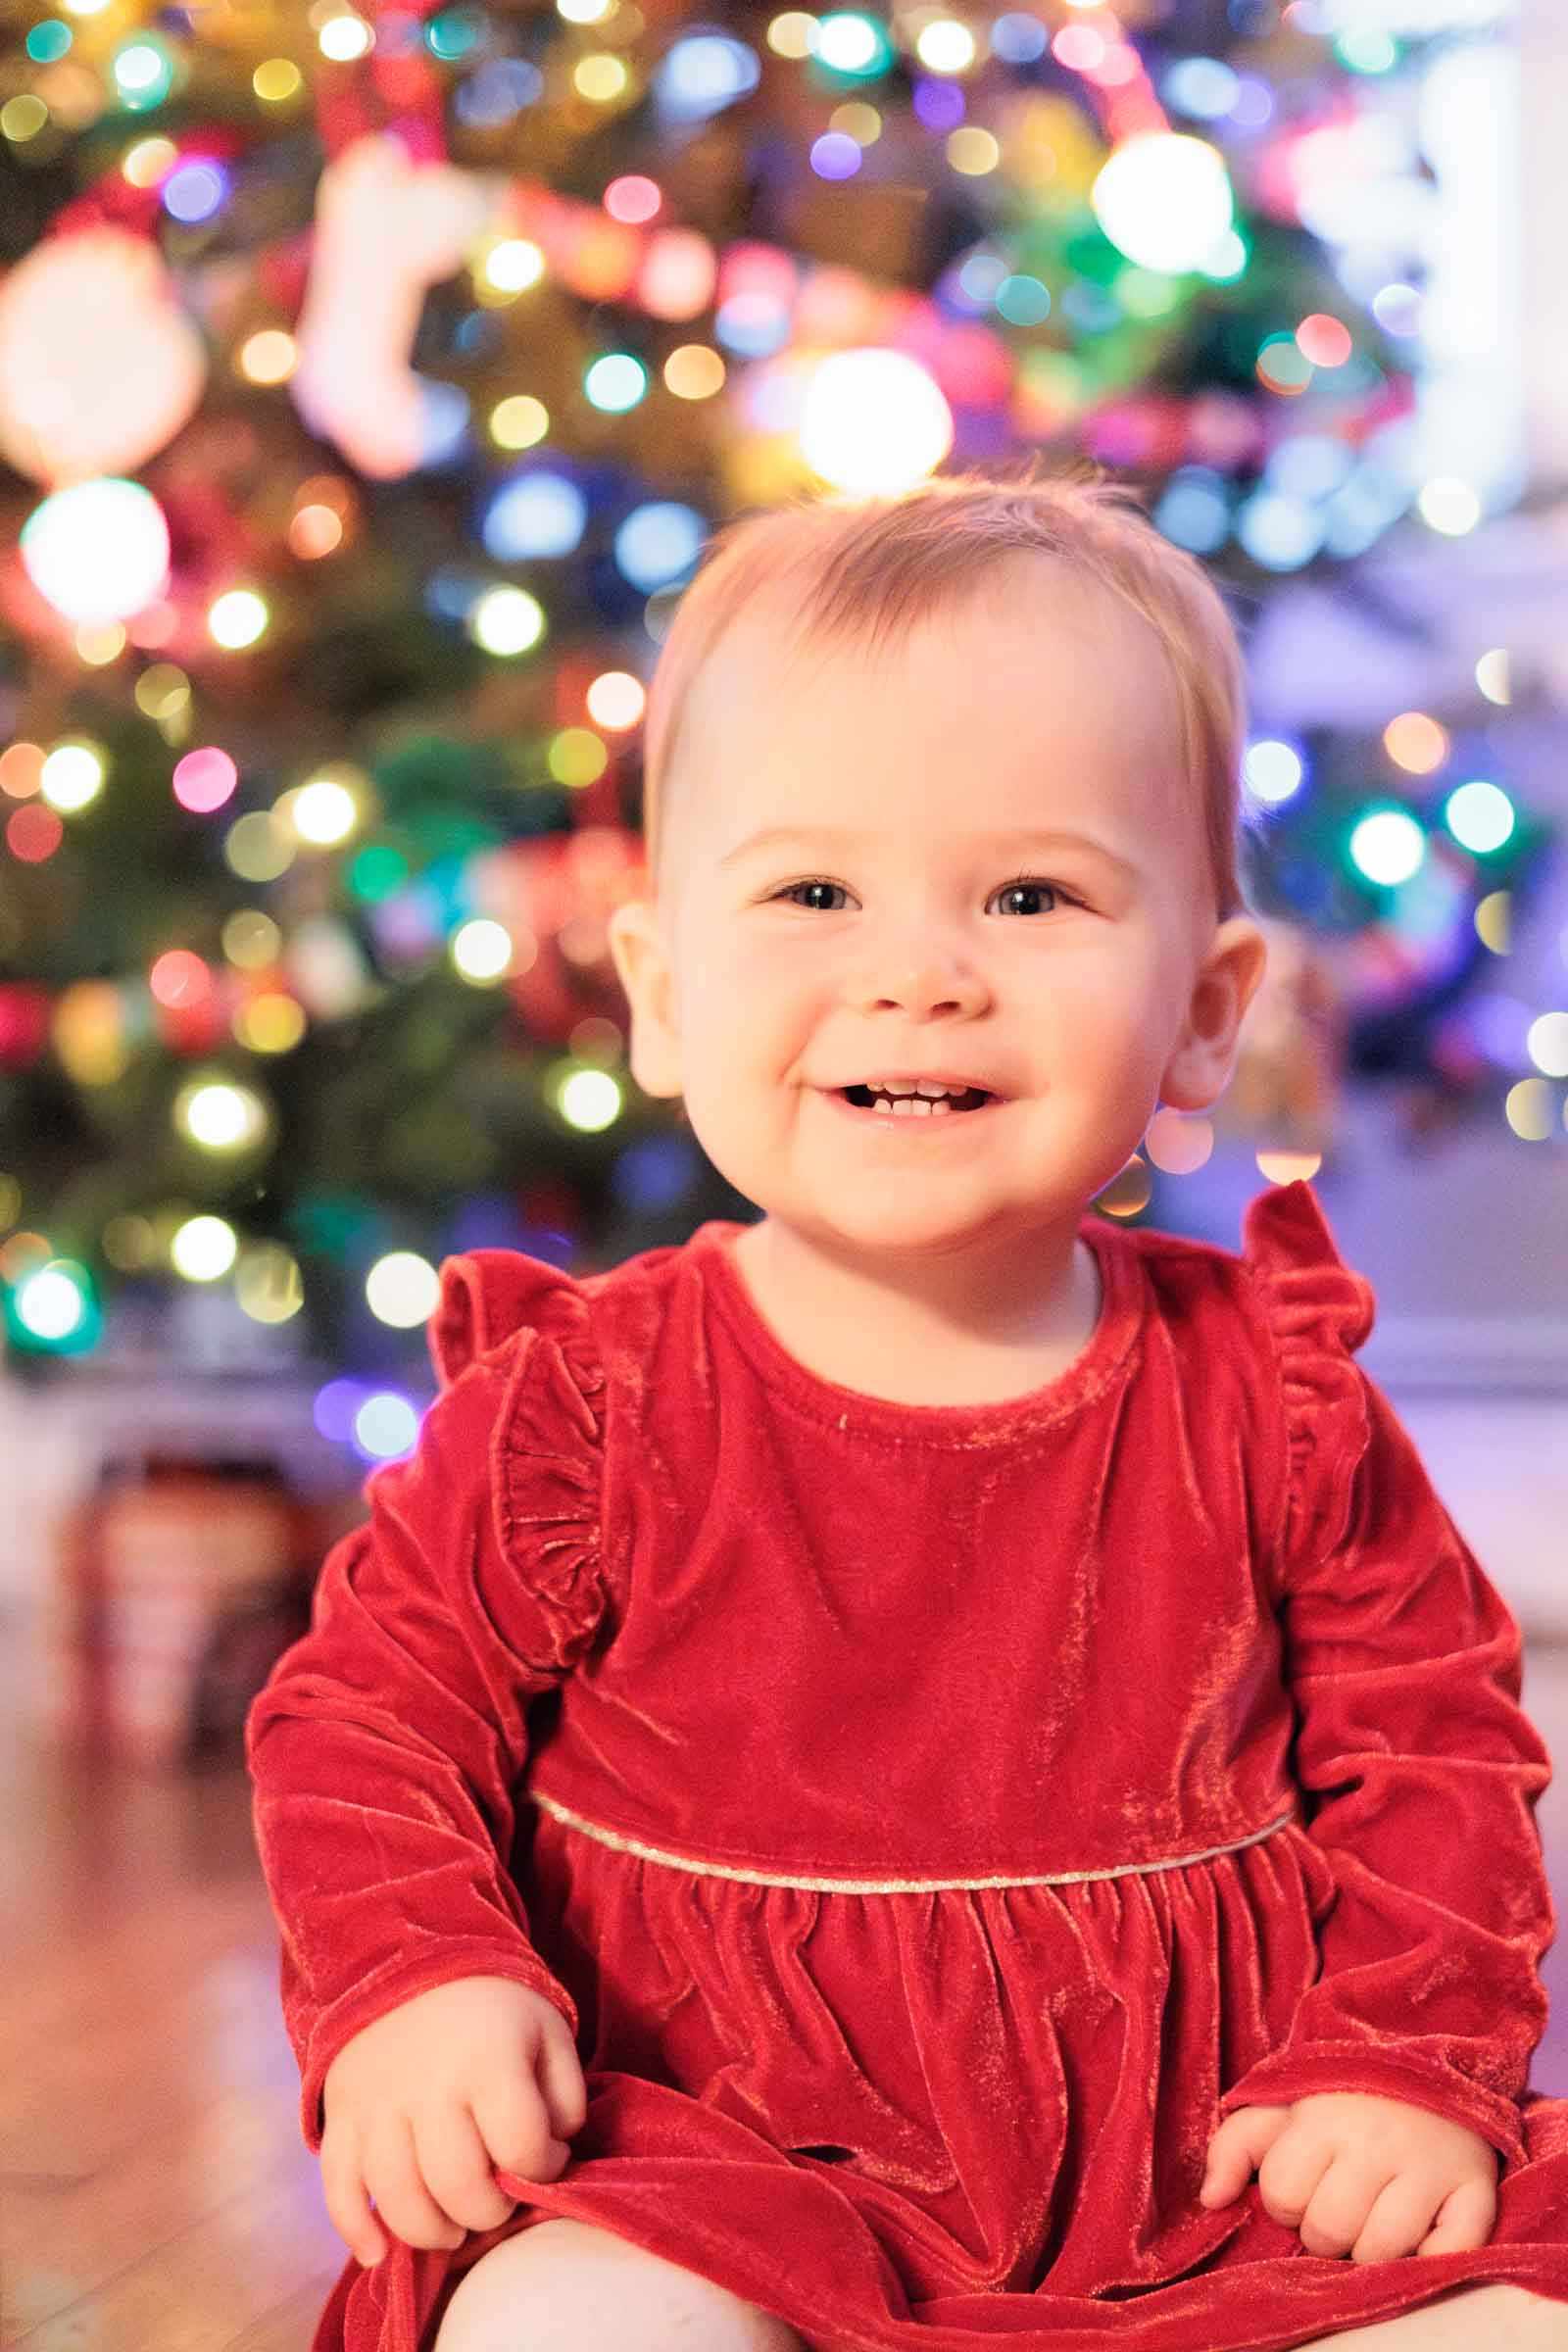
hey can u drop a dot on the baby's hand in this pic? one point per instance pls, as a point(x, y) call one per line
point(423, 2106)
point(1359, 2172)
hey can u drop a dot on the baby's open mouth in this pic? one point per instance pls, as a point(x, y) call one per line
point(914, 1107)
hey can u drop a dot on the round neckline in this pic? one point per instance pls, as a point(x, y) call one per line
point(1121, 1314)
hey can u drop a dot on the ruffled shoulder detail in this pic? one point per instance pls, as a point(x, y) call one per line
point(1319, 1311)
point(547, 1443)
point(486, 1295)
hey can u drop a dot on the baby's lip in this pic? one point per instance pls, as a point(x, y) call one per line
point(960, 1084)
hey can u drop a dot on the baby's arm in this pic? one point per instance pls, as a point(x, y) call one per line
point(1405, 1668)
point(387, 1744)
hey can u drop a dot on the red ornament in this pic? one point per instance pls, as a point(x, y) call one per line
point(23, 1026)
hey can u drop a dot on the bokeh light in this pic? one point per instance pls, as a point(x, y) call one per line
point(72, 776)
point(481, 950)
point(205, 779)
point(1273, 770)
point(385, 1427)
point(588, 1100)
point(403, 1288)
point(203, 1249)
point(507, 621)
point(1388, 847)
point(219, 1116)
point(874, 421)
point(1164, 199)
point(1480, 815)
point(1547, 1043)
point(98, 550)
point(1417, 743)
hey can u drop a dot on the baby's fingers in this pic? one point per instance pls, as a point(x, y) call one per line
point(515, 2125)
point(1238, 2148)
point(404, 2202)
point(1465, 2220)
point(561, 2078)
point(456, 2168)
point(348, 2200)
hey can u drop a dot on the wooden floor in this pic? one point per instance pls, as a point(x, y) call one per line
point(155, 2193)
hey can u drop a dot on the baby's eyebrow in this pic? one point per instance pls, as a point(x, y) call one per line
point(845, 837)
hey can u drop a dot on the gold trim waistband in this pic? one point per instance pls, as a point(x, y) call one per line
point(768, 1878)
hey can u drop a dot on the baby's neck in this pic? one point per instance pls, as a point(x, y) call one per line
point(921, 1341)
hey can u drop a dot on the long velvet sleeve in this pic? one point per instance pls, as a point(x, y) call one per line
point(388, 1743)
point(1422, 1772)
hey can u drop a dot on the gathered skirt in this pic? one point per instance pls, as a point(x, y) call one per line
point(919, 2118)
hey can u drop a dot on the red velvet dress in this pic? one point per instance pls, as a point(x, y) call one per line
point(931, 1819)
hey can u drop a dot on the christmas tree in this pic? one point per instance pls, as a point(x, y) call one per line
point(370, 383)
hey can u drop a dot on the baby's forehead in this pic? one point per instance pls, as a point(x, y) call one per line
point(1067, 659)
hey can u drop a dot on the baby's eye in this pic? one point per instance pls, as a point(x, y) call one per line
point(1029, 885)
point(1024, 884)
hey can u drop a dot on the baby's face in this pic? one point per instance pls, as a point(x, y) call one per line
point(936, 935)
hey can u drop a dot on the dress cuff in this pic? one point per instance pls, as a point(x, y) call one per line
point(1287, 2074)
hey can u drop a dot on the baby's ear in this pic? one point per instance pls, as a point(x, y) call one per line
point(1229, 977)
point(641, 959)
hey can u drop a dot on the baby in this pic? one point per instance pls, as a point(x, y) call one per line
point(874, 1767)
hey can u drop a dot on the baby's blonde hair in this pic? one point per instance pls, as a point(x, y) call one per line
point(866, 569)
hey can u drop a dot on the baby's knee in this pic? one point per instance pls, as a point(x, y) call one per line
point(563, 2286)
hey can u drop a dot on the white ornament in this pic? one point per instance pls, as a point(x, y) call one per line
point(387, 231)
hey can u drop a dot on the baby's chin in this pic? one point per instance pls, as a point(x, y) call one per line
point(871, 1227)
